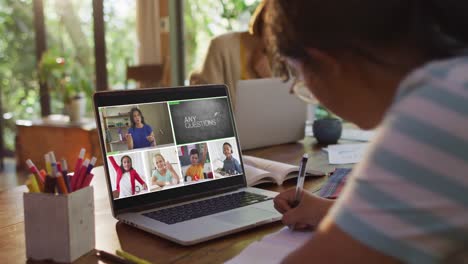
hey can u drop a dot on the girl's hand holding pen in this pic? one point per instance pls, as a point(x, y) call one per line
point(307, 214)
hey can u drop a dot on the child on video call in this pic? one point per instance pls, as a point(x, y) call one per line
point(195, 171)
point(163, 173)
point(126, 176)
point(230, 165)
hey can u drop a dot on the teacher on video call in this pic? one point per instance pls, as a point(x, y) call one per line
point(401, 65)
point(140, 134)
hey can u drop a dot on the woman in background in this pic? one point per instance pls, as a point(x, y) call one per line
point(236, 56)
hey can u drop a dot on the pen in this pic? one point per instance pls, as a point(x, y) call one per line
point(79, 162)
point(78, 177)
point(47, 164)
point(59, 167)
point(300, 180)
point(91, 165)
point(87, 181)
point(111, 257)
point(65, 174)
point(64, 177)
point(43, 173)
point(87, 173)
point(64, 166)
point(53, 164)
point(132, 258)
point(35, 171)
point(31, 183)
point(76, 172)
point(57, 174)
point(62, 186)
point(50, 183)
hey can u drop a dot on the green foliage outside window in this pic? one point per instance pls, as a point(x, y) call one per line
point(64, 78)
point(18, 88)
point(69, 29)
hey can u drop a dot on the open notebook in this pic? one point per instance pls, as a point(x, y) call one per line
point(258, 170)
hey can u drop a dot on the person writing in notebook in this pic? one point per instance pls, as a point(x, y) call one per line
point(195, 171)
point(402, 65)
point(140, 134)
point(126, 177)
point(163, 173)
point(230, 165)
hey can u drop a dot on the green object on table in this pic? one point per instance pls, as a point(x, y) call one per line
point(131, 257)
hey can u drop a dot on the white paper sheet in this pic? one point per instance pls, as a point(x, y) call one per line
point(346, 153)
point(357, 134)
point(272, 248)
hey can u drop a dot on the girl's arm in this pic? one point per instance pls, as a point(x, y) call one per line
point(114, 164)
point(138, 178)
point(129, 138)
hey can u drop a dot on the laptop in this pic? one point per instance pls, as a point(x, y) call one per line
point(267, 114)
point(181, 184)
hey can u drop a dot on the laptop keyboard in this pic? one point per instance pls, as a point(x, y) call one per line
point(198, 209)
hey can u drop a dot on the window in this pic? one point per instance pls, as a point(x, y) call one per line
point(205, 19)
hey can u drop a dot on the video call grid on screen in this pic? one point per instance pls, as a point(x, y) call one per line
point(181, 129)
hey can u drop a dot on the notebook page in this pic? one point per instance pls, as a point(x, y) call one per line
point(272, 248)
point(357, 134)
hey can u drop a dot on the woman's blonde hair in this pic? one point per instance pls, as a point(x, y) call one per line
point(256, 21)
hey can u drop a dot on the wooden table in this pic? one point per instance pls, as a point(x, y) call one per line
point(112, 235)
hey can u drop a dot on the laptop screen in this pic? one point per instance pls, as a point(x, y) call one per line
point(163, 144)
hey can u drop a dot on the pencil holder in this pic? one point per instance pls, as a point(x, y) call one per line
point(59, 227)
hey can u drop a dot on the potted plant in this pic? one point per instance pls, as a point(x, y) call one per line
point(327, 127)
point(68, 84)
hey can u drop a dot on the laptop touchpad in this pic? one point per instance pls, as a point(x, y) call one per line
point(245, 216)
